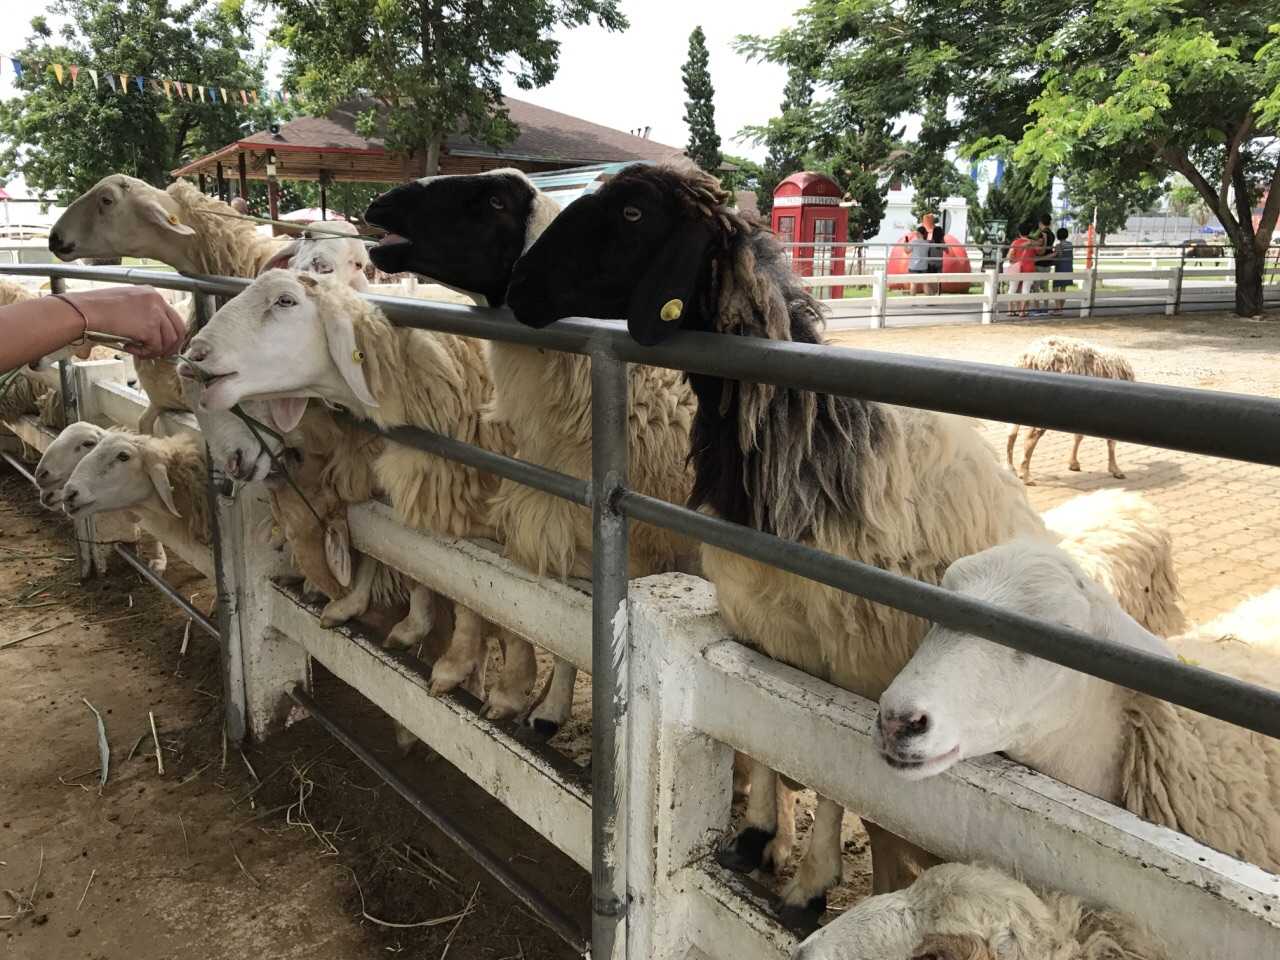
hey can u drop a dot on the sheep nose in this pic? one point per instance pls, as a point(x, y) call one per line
point(58, 245)
point(234, 463)
point(901, 725)
point(42, 475)
point(70, 495)
point(197, 352)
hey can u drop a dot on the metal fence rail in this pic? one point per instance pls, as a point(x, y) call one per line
point(1197, 421)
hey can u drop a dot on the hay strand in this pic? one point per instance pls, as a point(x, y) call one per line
point(155, 738)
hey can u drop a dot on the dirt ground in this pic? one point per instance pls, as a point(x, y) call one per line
point(210, 861)
point(1224, 515)
point(207, 860)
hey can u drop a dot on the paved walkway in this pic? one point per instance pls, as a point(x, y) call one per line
point(1225, 515)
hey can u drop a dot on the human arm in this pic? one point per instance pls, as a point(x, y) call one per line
point(33, 328)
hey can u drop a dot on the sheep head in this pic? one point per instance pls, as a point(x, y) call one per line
point(119, 216)
point(346, 260)
point(120, 472)
point(285, 337)
point(465, 231)
point(640, 249)
point(952, 912)
point(243, 453)
point(963, 696)
point(61, 457)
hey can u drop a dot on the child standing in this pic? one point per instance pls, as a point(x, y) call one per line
point(1063, 262)
point(918, 257)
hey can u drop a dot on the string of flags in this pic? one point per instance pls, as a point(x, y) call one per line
point(122, 83)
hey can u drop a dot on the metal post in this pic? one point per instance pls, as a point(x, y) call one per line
point(990, 294)
point(879, 296)
point(610, 679)
point(1177, 281)
point(1091, 290)
point(86, 533)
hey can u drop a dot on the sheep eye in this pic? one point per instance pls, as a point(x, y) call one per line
point(320, 266)
point(87, 445)
point(631, 214)
point(286, 300)
point(496, 203)
point(106, 200)
point(122, 457)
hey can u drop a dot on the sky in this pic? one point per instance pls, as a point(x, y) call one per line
point(625, 80)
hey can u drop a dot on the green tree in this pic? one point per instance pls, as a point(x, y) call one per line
point(1120, 89)
point(1016, 199)
point(62, 137)
point(435, 67)
point(787, 136)
point(1185, 201)
point(699, 105)
point(1097, 191)
point(745, 175)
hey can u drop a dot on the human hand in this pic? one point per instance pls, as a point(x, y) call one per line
point(139, 313)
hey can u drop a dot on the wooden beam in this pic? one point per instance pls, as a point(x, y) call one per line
point(244, 177)
point(273, 201)
point(222, 182)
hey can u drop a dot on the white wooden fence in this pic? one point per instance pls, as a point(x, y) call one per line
point(701, 695)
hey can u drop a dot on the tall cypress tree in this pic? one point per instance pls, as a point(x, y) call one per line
point(699, 110)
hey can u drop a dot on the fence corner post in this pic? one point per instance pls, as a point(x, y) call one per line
point(879, 296)
point(1174, 300)
point(990, 294)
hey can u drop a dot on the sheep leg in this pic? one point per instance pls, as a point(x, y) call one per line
point(1074, 462)
point(1111, 461)
point(765, 842)
point(356, 601)
point(413, 629)
point(805, 899)
point(895, 863)
point(159, 561)
point(147, 422)
point(1012, 441)
point(553, 712)
point(1028, 448)
point(741, 774)
point(519, 673)
point(465, 655)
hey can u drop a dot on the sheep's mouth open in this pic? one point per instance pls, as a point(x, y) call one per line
point(79, 508)
point(925, 765)
point(391, 253)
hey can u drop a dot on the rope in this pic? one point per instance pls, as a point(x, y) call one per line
point(327, 234)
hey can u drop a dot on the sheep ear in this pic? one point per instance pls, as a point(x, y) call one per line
point(286, 412)
point(347, 355)
point(156, 214)
point(664, 300)
point(159, 475)
point(337, 550)
point(280, 259)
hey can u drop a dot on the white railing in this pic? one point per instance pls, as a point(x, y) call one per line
point(704, 695)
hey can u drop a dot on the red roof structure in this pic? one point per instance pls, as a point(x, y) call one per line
point(329, 148)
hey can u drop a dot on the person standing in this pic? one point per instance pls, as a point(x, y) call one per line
point(1022, 253)
point(918, 258)
point(937, 247)
point(1063, 262)
point(1045, 259)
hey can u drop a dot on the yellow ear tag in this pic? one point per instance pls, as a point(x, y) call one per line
point(173, 219)
point(357, 356)
point(672, 310)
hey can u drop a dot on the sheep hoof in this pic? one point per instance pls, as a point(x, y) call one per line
point(802, 919)
point(1117, 474)
point(158, 566)
point(745, 852)
point(544, 728)
point(405, 741)
point(1074, 466)
point(502, 705)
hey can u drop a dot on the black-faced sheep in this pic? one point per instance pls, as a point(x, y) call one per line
point(962, 696)
point(907, 490)
point(1067, 355)
point(290, 335)
point(467, 232)
point(958, 911)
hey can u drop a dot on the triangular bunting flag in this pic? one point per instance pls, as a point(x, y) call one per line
point(94, 74)
point(223, 91)
point(285, 95)
point(141, 82)
point(191, 90)
point(168, 89)
point(111, 82)
point(254, 94)
point(213, 94)
point(75, 73)
point(124, 83)
point(244, 97)
point(57, 71)
point(17, 68)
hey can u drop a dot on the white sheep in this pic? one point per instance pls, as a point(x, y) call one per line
point(544, 397)
point(1067, 355)
point(13, 292)
point(291, 335)
point(57, 464)
point(962, 696)
point(958, 911)
point(157, 477)
point(906, 490)
point(344, 258)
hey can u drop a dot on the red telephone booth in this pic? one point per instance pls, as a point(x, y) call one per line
point(813, 227)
